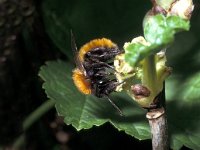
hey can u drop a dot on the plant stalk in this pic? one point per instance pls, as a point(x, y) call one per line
point(31, 119)
point(149, 73)
point(158, 123)
point(158, 127)
point(155, 115)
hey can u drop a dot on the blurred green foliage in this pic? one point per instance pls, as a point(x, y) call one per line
point(117, 20)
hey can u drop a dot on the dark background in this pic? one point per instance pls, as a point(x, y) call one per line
point(32, 32)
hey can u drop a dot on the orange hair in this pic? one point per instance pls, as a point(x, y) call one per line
point(93, 44)
point(81, 82)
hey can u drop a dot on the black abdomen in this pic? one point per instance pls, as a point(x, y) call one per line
point(100, 70)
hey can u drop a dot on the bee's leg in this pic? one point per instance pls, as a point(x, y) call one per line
point(111, 85)
point(104, 64)
point(103, 89)
point(114, 105)
point(107, 65)
point(101, 73)
point(95, 64)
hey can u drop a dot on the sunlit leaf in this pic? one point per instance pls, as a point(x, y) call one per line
point(83, 111)
point(159, 31)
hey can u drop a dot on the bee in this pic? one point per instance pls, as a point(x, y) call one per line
point(94, 72)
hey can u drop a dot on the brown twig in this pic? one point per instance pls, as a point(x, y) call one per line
point(158, 123)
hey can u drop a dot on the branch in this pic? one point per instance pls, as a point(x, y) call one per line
point(158, 124)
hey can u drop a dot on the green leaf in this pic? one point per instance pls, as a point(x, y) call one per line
point(139, 50)
point(83, 111)
point(159, 32)
point(183, 111)
point(57, 25)
point(182, 90)
point(156, 30)
point(190, 89)
point(106, 20)
point(177, 23)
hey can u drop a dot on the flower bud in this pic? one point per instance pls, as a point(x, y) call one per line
point(182, 8)
point(140, 91)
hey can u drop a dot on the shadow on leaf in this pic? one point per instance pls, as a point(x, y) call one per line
point(131, 112)
point(183, 118)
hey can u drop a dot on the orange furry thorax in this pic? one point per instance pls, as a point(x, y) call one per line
point(94, 44)
point(81, 82)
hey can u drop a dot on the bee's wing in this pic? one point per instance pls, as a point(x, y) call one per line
point(75, 51)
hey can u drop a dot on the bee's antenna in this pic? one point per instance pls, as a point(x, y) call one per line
point(73, 43)
point(115, 106)
point(75, 51)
